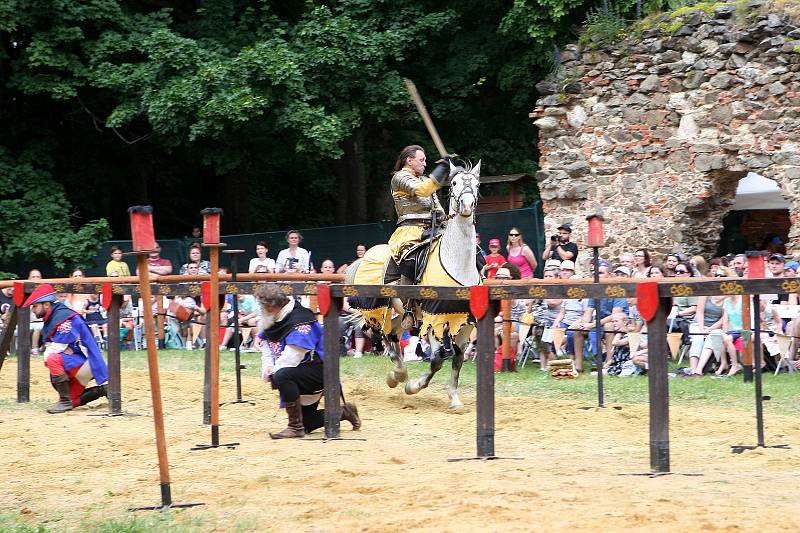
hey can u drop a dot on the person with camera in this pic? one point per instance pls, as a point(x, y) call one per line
point(559, 246)
point(293, 259)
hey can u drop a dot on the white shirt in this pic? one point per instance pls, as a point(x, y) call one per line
point(301, 254)
point(256, 262)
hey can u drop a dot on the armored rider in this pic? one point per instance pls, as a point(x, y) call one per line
point(415, 197)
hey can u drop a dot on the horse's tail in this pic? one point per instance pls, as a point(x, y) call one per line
point(350, 273)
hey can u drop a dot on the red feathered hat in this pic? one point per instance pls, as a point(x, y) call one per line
point(43, 293)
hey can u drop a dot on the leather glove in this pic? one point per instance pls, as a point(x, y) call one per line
point(442, 170)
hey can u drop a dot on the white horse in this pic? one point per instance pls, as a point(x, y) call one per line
point(451, 262)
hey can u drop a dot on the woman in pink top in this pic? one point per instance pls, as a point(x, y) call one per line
point(520, 254)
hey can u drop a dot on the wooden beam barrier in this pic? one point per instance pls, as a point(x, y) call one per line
point(331, 378)
point(114, 364)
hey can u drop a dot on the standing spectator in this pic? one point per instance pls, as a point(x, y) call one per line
point(197, 233)
point(655, 272)
point(670, 262)
point(293, 259)
point(156, 264)
point(493, 260)
point(559, 246)
point(641, 263)
point(261, 259)
point(36, 322)
point(520, 254)
point(361, 249)
point(95, 319)
point(626, 260)
point(478, 246)
point(698, 266)
point(738, 263)
point(6, 305)
point(117, 264)
point(195, 255)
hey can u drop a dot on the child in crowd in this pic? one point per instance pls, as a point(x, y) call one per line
point(494, 259)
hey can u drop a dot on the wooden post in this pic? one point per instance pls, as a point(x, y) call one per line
point(23, 354)
point(333, 407)
point(757, 351)
point(212, 339)
point(155, 381)
point(747, 354)
point(505, 308)
point(657, 379)
point(485, 382)
point(114, 366)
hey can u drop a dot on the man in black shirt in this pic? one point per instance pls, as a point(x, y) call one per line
point(559, 246)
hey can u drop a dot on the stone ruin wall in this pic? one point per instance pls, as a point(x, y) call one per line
point(658, 131)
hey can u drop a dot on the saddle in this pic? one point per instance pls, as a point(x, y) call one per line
point(413, 261)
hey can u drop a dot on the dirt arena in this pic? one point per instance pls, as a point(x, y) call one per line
point(73, 468)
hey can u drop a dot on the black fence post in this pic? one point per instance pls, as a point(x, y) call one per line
point(658, 386)
point(114, 364)
point(333, 385)
point(485, 382)
point(23, 354)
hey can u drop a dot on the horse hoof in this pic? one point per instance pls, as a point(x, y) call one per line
point(391, 381)
point(411, 389)
point(401, 375)
point(456, 406)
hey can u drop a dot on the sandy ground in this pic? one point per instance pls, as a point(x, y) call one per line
point(64, 469)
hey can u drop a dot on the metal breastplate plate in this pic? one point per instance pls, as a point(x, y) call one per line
point(408, 205)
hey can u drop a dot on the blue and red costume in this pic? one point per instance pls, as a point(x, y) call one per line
point(71, 351)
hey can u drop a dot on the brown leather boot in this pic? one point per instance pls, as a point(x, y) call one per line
point(61, 385)
point(295, 428)
point(350, 413)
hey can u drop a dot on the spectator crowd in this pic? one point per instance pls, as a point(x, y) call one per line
point(710, 328)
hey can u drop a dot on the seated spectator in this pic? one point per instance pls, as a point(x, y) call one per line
point(261, 259)
point(790, 269)
point(77, 302)
point(117, 264)
point(293, 259)
point(95, 318)
point(655, 272)
point(493, 259)
point(737, 264)
point(183, 310)
point(620, 345)
point(571, 312)
point(544, 315)
point(626, 259)
point(586, 326)
point(248, 318)
point(641, 263)
point(327, 267)
point(156, 264)
point(707, 338)
point(622, 271)
point(732, 326)
point(713, 266)
point(195, 256)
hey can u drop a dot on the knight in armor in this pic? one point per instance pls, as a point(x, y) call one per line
point(292, 354)
point(71, 355)
point(415, 197)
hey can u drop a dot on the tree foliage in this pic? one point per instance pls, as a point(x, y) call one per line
point(284, 113)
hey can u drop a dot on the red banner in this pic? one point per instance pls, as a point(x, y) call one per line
point(479, 300)
point(647, 300)
point(107, 295)
point(19, 293)
point(323, 298)
point(205, 294)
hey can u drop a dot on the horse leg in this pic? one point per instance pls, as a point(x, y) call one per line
point(460, 343)
point(399, 373)
point(437, 360)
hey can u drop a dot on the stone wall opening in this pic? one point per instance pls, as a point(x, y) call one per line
point(658, 131)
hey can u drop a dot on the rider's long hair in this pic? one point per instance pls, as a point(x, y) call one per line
point(408, 151)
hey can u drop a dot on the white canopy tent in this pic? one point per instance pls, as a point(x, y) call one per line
point(757, 192)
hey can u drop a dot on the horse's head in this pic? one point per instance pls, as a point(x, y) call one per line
point(464, 183)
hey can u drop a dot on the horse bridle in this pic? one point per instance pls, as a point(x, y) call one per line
point(468, 188)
